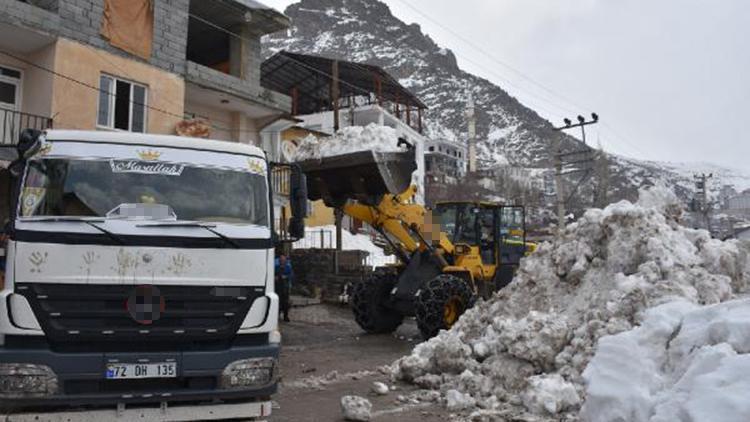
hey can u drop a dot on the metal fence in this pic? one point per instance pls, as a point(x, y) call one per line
point(317, 239)
point(13, 122)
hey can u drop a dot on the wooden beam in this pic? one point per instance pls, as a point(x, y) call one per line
point(419, 115)
point(408, 114)
point(379, 89)
point(295, 101)
point(335, 94)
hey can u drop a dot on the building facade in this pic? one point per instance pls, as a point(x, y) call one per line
point(137, 65)
point(445, 162)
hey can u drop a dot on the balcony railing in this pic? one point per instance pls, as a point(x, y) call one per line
point(13, 122)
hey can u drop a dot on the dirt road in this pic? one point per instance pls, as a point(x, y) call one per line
point(322, 339)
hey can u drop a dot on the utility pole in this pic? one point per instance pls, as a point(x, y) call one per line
point(559, 163)
point(701, 184)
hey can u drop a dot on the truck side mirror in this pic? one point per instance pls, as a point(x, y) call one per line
point(29, 143)
point(297, 202)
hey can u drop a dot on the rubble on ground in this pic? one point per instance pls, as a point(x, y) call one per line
point(526, 348)
point(355, 408)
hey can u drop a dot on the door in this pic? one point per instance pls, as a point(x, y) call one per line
point(10, 104)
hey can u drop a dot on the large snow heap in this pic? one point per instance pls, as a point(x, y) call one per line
point(527, 347)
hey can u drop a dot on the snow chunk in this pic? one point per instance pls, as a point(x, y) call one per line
point(380, 388)
point(456, 400)
point(355, 408)
point(550, 393)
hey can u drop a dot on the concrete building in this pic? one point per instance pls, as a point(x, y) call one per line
point(739, 203)
point(137, 65)
point(445, 162)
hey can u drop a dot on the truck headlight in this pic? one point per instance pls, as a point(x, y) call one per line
point(22, 380)
point(249, 373)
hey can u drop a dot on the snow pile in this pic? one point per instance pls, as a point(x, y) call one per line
point(350, 242)
point(683, 363)
point(372, 137)
point(526, 348)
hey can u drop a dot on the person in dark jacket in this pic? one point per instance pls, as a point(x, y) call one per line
point(283, 284)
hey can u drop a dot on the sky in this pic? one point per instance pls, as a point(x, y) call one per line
point(669, 78)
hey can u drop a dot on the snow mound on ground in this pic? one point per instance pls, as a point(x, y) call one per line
point(372, 137)
point(683, 363)
point(596, 279)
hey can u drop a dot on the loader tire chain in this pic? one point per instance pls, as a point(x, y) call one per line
point(431, 302)
point(366, 303)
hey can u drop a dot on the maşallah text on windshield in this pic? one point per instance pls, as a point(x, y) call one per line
point(143, 167)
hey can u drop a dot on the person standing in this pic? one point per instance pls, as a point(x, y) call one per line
point(283, 283)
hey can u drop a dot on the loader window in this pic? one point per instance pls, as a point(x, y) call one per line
point(466, 227)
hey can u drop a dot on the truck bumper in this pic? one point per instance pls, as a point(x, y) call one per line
point(82, 383)
point(164, 413)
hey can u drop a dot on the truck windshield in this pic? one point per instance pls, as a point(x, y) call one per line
point(91, 188)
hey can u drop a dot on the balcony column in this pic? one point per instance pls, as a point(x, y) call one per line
point(245, 54)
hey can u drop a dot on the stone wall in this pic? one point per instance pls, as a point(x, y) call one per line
point(316, 269)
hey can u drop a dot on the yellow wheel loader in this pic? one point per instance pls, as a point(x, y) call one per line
point(449, 256)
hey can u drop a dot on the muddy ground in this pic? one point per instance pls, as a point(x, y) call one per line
point(324, 338)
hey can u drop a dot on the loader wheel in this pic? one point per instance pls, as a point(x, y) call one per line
point(368, 303)
point(441, 302)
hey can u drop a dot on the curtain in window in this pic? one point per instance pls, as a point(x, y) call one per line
point(129, 25)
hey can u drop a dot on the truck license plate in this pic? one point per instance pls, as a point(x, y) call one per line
point(141, 370)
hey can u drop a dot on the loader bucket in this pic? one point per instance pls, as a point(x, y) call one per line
point(364, 176)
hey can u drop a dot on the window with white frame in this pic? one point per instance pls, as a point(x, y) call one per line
point(122, 104)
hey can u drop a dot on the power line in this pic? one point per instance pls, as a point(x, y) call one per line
point(493, 58)
point(518, 72)
point(99, 90)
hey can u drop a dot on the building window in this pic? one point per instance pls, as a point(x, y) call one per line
point(432, 149)
point(122, 104)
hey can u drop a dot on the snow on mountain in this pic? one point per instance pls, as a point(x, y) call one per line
point(367, 31)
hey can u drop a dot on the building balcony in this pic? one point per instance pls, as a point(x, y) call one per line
point(13, 122)
point(26, 26)
point(218, 89)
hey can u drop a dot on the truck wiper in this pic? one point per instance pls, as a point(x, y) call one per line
point(209, 228)
point(91, 222)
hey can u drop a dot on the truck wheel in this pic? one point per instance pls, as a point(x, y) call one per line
point(441, 302)
point(368, 303)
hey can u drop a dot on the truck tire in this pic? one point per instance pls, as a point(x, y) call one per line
point(368, 303)
point(441, 302)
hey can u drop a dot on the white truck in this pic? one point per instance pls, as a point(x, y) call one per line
point(139, 279)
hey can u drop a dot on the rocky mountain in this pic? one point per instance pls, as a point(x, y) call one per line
point(367, 31)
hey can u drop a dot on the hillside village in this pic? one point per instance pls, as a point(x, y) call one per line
point(242, 101)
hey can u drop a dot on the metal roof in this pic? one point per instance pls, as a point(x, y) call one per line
point(311, 76)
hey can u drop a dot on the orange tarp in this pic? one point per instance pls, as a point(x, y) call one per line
point(129, 25)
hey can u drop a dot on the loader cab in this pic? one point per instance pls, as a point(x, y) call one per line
point(497, 231)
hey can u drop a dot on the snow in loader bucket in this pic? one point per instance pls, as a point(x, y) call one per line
point(363, 175)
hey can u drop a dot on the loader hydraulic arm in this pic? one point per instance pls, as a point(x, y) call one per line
point(407, 223)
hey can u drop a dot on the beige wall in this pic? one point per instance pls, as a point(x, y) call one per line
point(220, 119)
point(226, 125)
point(75, 106)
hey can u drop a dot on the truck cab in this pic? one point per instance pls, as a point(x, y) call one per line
point(139, 278)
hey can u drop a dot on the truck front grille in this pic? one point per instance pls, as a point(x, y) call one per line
point(74, 313)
